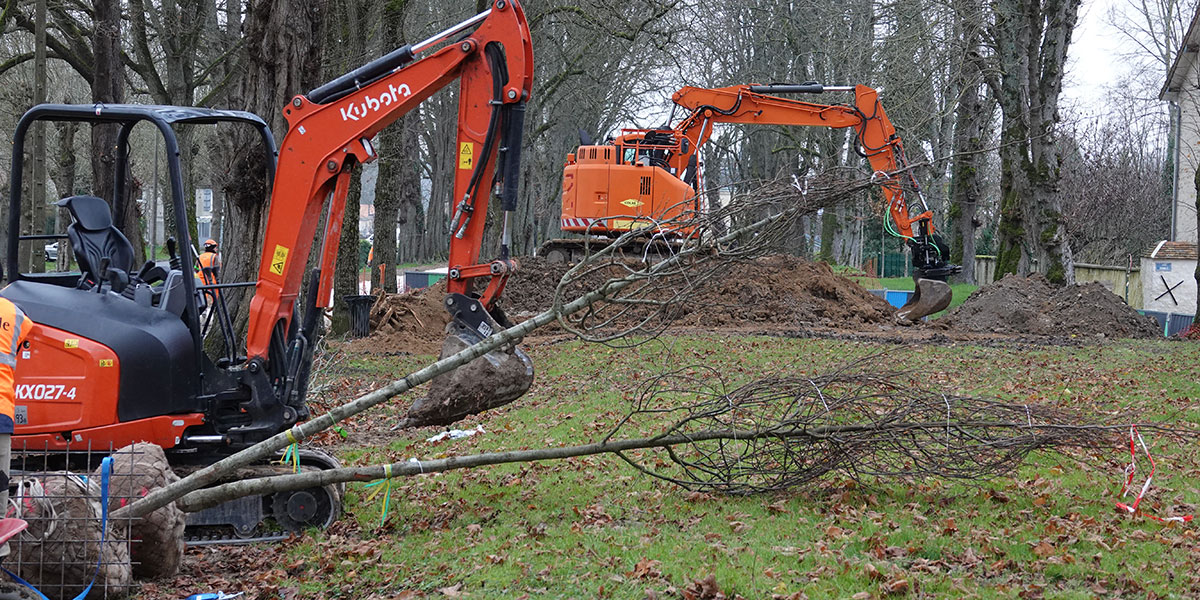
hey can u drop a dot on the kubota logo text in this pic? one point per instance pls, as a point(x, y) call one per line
point(371, 104)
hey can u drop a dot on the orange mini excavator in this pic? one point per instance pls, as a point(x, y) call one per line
point(649, 176)
point(117, 354)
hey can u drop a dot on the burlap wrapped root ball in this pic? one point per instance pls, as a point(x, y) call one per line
point(60, 550)
point(11, 590)
point(156, 540)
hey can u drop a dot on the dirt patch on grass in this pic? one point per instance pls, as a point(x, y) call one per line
point(413, 323)
point(780, 295)
point(1032, 306)
point(776, 291)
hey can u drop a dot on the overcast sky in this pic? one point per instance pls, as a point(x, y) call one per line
point(1093, 59)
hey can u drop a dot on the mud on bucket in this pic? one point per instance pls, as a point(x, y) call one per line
point(360, 314)
point(494, 379)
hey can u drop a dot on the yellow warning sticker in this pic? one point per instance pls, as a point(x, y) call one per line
point(632, 202)
point(71, 343)
point(106, 362)
point(466, 155)
point(279, 260)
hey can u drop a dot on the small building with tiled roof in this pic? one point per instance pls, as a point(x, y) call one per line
point(1169, 278)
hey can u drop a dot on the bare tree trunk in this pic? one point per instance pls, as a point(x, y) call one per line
point(345, 272)
point(283, 59)
point(1031, 39)
point(393, 162)
point(388, 196)
point(971, 119)
point(64, 180)
point(36, 206)
point(108, 87)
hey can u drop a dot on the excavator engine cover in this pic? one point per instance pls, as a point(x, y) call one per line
point(494, 379)
point(931, 296)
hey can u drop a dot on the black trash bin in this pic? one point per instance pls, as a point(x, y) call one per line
point(360, 314)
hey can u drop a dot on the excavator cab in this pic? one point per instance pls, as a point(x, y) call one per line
point(117, 355)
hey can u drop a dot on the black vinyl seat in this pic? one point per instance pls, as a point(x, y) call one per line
point(94, 238)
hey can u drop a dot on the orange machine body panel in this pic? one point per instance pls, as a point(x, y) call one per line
point(611, 189)
point(65, 382)
point(66, 394)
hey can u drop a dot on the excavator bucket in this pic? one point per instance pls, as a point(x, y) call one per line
point(489, 381)
point(931, 296)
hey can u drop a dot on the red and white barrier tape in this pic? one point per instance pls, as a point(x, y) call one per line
point(1135, 439)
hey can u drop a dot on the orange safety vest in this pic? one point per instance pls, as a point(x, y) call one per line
point(210, 262)
point(14, 326)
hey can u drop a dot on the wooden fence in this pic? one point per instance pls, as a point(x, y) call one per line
point(1125, 282)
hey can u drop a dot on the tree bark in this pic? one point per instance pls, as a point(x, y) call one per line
point(64, 181)
point(37, 184)
point(108, 87)
point(971, 118)
point(282, 59)
point(1031, 39)
point(345, 273)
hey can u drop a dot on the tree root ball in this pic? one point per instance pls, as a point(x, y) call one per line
point(156, 540)
point(60, 550)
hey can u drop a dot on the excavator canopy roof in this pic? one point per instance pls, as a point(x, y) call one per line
point(124, 113)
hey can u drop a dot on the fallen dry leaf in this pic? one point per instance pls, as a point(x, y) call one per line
point(454, 591)
point(896, 586)
point(1042, 549)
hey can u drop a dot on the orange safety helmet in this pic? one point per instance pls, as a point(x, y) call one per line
point(210, 244)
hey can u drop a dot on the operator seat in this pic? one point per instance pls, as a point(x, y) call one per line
point(94, 238)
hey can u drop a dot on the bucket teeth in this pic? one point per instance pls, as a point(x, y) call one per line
point(930, 297)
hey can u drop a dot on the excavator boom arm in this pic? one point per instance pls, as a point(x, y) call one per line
point(329, 130)
point(875, 133)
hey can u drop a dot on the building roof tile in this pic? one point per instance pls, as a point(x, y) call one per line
point(1172, 251)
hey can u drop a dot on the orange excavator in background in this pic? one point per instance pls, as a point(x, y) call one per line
point(646, 177)
point(117, 354)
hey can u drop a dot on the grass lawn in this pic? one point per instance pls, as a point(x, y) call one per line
point(597, 528)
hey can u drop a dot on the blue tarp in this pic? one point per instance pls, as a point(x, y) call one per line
point(896, 298)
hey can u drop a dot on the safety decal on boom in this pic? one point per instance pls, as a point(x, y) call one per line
point(632, 202)
point(71, 343)
point(279, 260)
point(466, 155)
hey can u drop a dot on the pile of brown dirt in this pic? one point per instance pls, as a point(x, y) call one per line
point(772, 293)
point(775, 291)
point(1033, 306)
point(412, 323)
